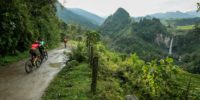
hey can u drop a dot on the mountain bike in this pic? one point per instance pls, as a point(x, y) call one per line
point(33, 62)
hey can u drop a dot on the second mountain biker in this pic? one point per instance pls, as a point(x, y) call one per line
point(34, 51)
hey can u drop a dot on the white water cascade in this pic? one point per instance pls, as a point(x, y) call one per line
point(170, 47)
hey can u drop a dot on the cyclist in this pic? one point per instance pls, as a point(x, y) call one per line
point(34, 51)
point(42, 47)
point(65, 42)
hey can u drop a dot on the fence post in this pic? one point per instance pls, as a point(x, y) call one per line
point(91, 55)
point(94, 74)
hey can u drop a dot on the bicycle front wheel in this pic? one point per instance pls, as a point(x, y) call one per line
point(45, 55)
point(28, 66)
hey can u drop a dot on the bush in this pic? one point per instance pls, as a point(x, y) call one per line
point(78, 53)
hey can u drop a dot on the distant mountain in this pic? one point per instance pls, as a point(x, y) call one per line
point(70, 17)
point(94, 18)
point(147, 36)
point(116, 22)
point(174, 15)
point(194, 13)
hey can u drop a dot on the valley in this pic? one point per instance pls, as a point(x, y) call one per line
point(123, 56)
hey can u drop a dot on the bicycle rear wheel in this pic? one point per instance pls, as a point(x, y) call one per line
point(45, 55)
point(28, 66)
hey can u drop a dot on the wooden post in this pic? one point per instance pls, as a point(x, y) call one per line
point(94, 74)
point(91, 55)
point(89, 51)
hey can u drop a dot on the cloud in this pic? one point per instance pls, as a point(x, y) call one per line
point(134, 7)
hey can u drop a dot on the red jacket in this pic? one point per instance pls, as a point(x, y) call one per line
point(35, 46)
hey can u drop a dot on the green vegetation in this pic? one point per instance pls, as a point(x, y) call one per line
point(182, 22)
point(133, 62)
point(188, 27)
point(187, 47)
point(127, 36)
point(13, 58)
point(24, 21)
point(121, 75)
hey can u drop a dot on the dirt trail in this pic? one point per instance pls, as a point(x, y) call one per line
point(15, 84)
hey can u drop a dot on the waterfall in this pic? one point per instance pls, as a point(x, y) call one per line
point(170, 47)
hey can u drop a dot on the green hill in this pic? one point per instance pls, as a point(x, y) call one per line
point(116, 22)
point(94, 18)
point(72, 18)
point(145, 37)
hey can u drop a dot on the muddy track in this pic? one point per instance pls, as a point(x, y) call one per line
point(16, 84)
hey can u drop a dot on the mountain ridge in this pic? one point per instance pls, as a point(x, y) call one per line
point(175, 15)
point(95, 18)
point(69, 16)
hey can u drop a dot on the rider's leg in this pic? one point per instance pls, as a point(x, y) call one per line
point(34, 60)
point(33, 55)
point(65, 45)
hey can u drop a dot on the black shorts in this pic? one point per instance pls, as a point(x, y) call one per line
point(34, 52)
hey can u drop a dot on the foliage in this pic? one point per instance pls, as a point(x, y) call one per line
point(120, 75)
point(13, 58)
point(140, 37)
point(78, 53)
point(24, 21)
point(187, 47)
point(92, 37)
point(198, 5)
point(152, 80)
point(72, 31)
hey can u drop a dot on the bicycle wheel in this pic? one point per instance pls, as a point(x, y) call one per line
point(38, 62)
point(45, 55)
point(28, 66)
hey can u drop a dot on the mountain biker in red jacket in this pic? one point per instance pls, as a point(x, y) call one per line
point(34, 51)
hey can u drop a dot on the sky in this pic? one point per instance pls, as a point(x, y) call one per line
point(134, 7)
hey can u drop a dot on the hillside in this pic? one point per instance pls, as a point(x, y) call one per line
point(148, 37)
point(94, 18)
point(194, 13)
point(72, 18)
point(116, 22)
point(121, 76)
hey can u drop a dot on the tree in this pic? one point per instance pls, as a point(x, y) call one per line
point(92, 37)
point(198, 7)
point(23, 21)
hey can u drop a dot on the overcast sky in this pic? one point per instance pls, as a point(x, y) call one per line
point(134, 7)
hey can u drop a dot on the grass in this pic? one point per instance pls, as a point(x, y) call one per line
point(13, 58)
point(70, 84)
point(187, 27)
